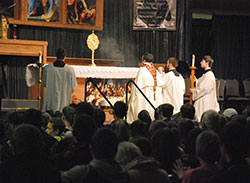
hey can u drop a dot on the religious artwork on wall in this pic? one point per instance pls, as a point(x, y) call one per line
point(81, 12)
point(72, 14)
point(154, 15)
point(43, 10)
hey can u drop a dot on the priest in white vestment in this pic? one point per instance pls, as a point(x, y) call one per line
point(60, 82)
point(174, 86)
point(204, 93)
point(149, 80)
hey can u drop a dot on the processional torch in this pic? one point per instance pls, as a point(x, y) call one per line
point(192, 79)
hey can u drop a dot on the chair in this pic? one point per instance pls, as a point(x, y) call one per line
point(246, 86)
point(220, 91)
point(233, 95)
point(187, 91)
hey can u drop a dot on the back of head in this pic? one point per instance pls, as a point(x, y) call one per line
point(167, 110)
point(208, 59)
point(121, 129)
point(27, 139)
point(208, 147)
point(15, 118)
point(144, 144)
point(185, 126)
point(84, 108)
point(120, 109)
point(58, 125)
point(34, 117)
point(236, 141)
point(61, 53)
point(148, 57)
point(173, 61)
point(239, 119)
point(104, 144)
point(127, 151)
point(69, 114)
point(99, 117)
point(139, 128)
point(84, 128)
point(144, 116)
point(187, 111)
point(156, 126)
point(210, 120)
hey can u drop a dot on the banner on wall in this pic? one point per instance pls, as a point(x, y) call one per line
point(154, 15)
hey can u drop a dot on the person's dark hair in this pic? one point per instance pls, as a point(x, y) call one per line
point(239, 119)
point(84, 128)
point(209, 59)
point(99, 117)
point(61, 53)
point(187, 111)
point(34, 117)
point(190, 146)
point(185, 125)
point(58, 124)
point(155, 126)
point(69, 114)
point(84, 108)
point(148, 57)
point(167, 110)
point(165, 148)
point(120, 109)
point(139, 128)
point(208, 147)
point(45, 119)
point(173, 61)
point(104, 143)
point(27, 138)
point(15, 117)
point(236, 141)
point(144, 144)
point(246, 111)
point(144, 116)
point(121, 129)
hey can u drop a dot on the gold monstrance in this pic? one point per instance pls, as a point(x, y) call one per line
point(93, 43)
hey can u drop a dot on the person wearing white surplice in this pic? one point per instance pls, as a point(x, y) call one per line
point(149, 81)
point(60, 82)
point(204, 93)
point(174, 86)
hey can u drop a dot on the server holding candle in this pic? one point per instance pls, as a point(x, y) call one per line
point(204, 94)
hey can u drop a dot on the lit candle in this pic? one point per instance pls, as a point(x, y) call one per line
point(193, 60)
point(40, 57)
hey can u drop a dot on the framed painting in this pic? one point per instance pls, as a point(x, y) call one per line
point(154, 15)
point(72, 14)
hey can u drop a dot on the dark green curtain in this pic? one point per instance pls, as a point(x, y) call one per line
point(117, 40)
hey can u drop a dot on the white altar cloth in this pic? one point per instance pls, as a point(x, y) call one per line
point(105, 72)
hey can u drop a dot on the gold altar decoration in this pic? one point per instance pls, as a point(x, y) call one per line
point(4, 27)
point(93, 43)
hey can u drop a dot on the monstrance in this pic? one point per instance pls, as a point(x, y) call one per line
point(93, 43)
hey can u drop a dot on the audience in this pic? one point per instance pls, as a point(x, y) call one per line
point(103, 167)
point(167, 149)
point(29, 163)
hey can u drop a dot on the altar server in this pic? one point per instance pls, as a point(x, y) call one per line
point(204, 93)
point(174, 86)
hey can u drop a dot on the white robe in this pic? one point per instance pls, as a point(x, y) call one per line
point(204, 94)
point(60, 83)
point(173, 90)
point(137, 103)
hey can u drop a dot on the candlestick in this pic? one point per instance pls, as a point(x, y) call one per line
point(40, 57)
point(193, 60)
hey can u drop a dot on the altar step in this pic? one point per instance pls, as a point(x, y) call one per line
point(18, 104)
